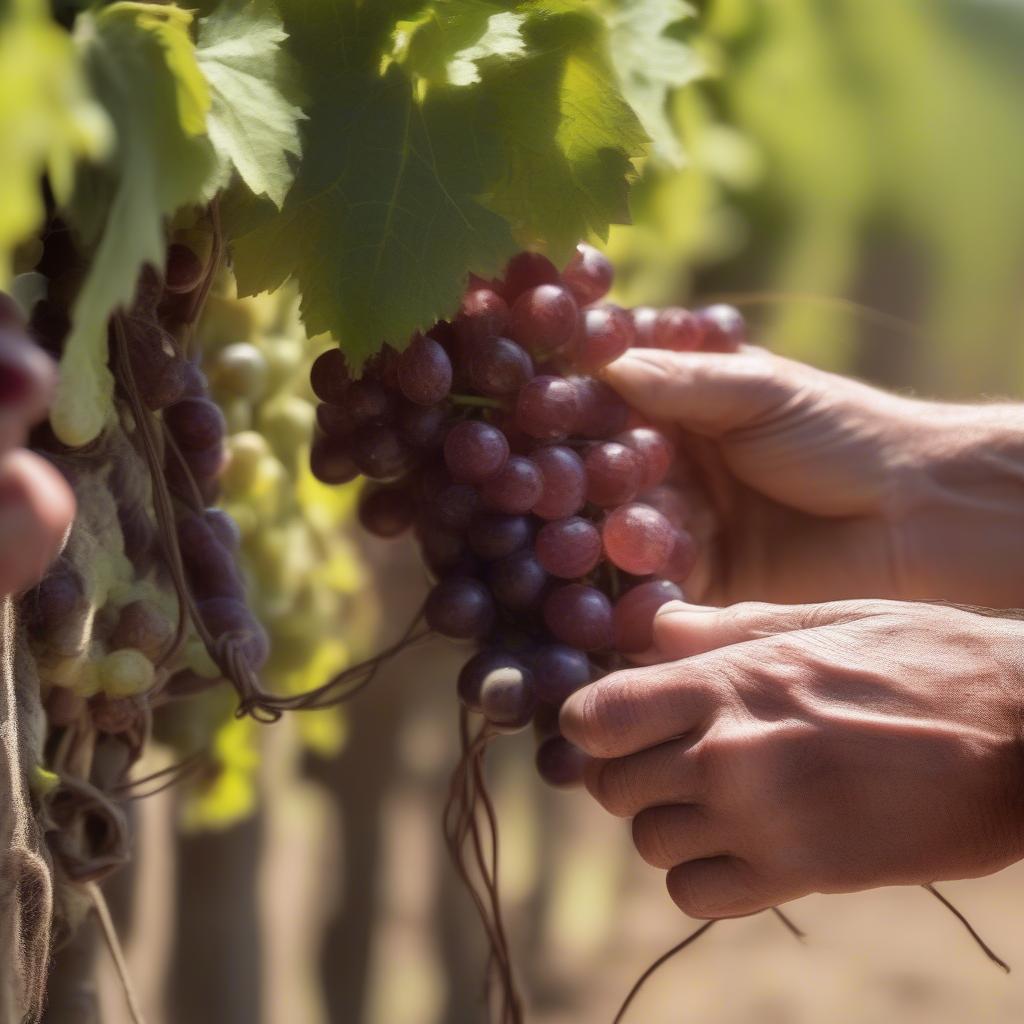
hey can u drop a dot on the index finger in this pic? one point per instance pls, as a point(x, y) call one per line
point(628, 711)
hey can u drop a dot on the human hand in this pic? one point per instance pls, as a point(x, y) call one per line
point(811, 486)
point(36, 504)
point(813, 749)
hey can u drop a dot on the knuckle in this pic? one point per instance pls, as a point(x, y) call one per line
point(689, 894)
point(615, 789)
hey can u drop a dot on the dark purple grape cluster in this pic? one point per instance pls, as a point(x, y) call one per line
point(537, 496)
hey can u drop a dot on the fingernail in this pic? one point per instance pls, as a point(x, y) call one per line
point(682, 608)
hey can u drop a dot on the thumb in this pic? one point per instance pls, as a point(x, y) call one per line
point(708, 393)
point(683, 630)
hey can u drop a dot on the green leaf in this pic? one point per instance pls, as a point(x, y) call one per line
point(252, 125)
point(142, 63)
point(651, 64)
point(449, 40)
point(569, 137)
point(383, 219)
point(47, 120)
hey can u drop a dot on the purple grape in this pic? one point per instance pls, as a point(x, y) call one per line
point(334, 420)
point(476, 671)
point(633, 614)
point(483, 313)
point(424, 371)
point(379, 452)
point(368, 401)
point(683, 559)
point(602, 412)
point(493, 536)
point(443, 550)
point(195, 423)
point(637, 538)
point(475, 451)
point(329, 376)
point(722, 328)
point(331, 461)
point(614, 473)
point(498, 366)
point(589, 274)
point(656, 453)
point(229, 617)
point(528, 270)
point(568, 548)
point(224, 527)
point(516, 489)
point(560, 763)
point(184, 270)
point(386, 511)
point(460, 608)
point(579, 616)
point(544, 319)
point(209, 565)
point(607, 333)
point(559, 671)
point(677, 330)
point(422, 426)
point(564, 482)
point(507, 696)
point(644, 320)
point(547, 408)
point(517, 581)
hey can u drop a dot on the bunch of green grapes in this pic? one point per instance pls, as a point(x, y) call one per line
point(299, 564)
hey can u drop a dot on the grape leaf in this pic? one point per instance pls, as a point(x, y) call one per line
point(650, 64)
point(252, 126)
point(142, 63)
point(569, 138)
point(47, 120)
point(383, 218)
point(448, 40)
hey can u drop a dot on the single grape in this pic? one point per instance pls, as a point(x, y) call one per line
point(637, 538)
point(507, 696)
point(424, 371)
point(633, 614)
point(498, 366)
point(507, 636)
point(241, 369)
point(579, 616)
point(116, 715)
point(143, 626)
point(196, 469)
point(184, 270)
point(329, 376)
point(547, 408)
point(460, 608)
point(722, 328)
point(656, 453)
point(493, 536)
point(564, 482)
point(210, 567)
point(369, 401)
point(589, 274)
point(455, 506)
point(226, 617)
point(57, 598)
point(683, 559)
point(545, 721)
point(560, 763)
point(475, 451)
point(224, 527)
point(429, 480)
point(125, 673)
point(379, 452)
point(568, 548)
point(613, 474)
point(644, 320)
point(331, 461)
point(559, 672)
point(544, 319)
point(444, 551)
point(607, 333)
point(195, 423)
point(335, 420)
point(517, 581)
point(483, 313)
point(422, 426)
point(386, 511)
point(677, 329)
point(478, 668)
point(601, 411)
point(516, 489)
point(528, 270)
point(158, 369)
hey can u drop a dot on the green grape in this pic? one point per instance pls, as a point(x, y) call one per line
point(287, 422)
point(241, 370)
point(125, 673)
point(246, 452)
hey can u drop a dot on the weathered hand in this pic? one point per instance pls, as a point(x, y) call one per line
point(820, 488)
point(813, 749)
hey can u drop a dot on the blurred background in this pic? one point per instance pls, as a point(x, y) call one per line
point(854, 180)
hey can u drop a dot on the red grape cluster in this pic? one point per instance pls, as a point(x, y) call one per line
point(537, 497)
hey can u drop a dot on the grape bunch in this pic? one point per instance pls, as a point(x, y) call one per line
point(538, 498)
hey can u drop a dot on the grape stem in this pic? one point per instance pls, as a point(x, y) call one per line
point(474, 400)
